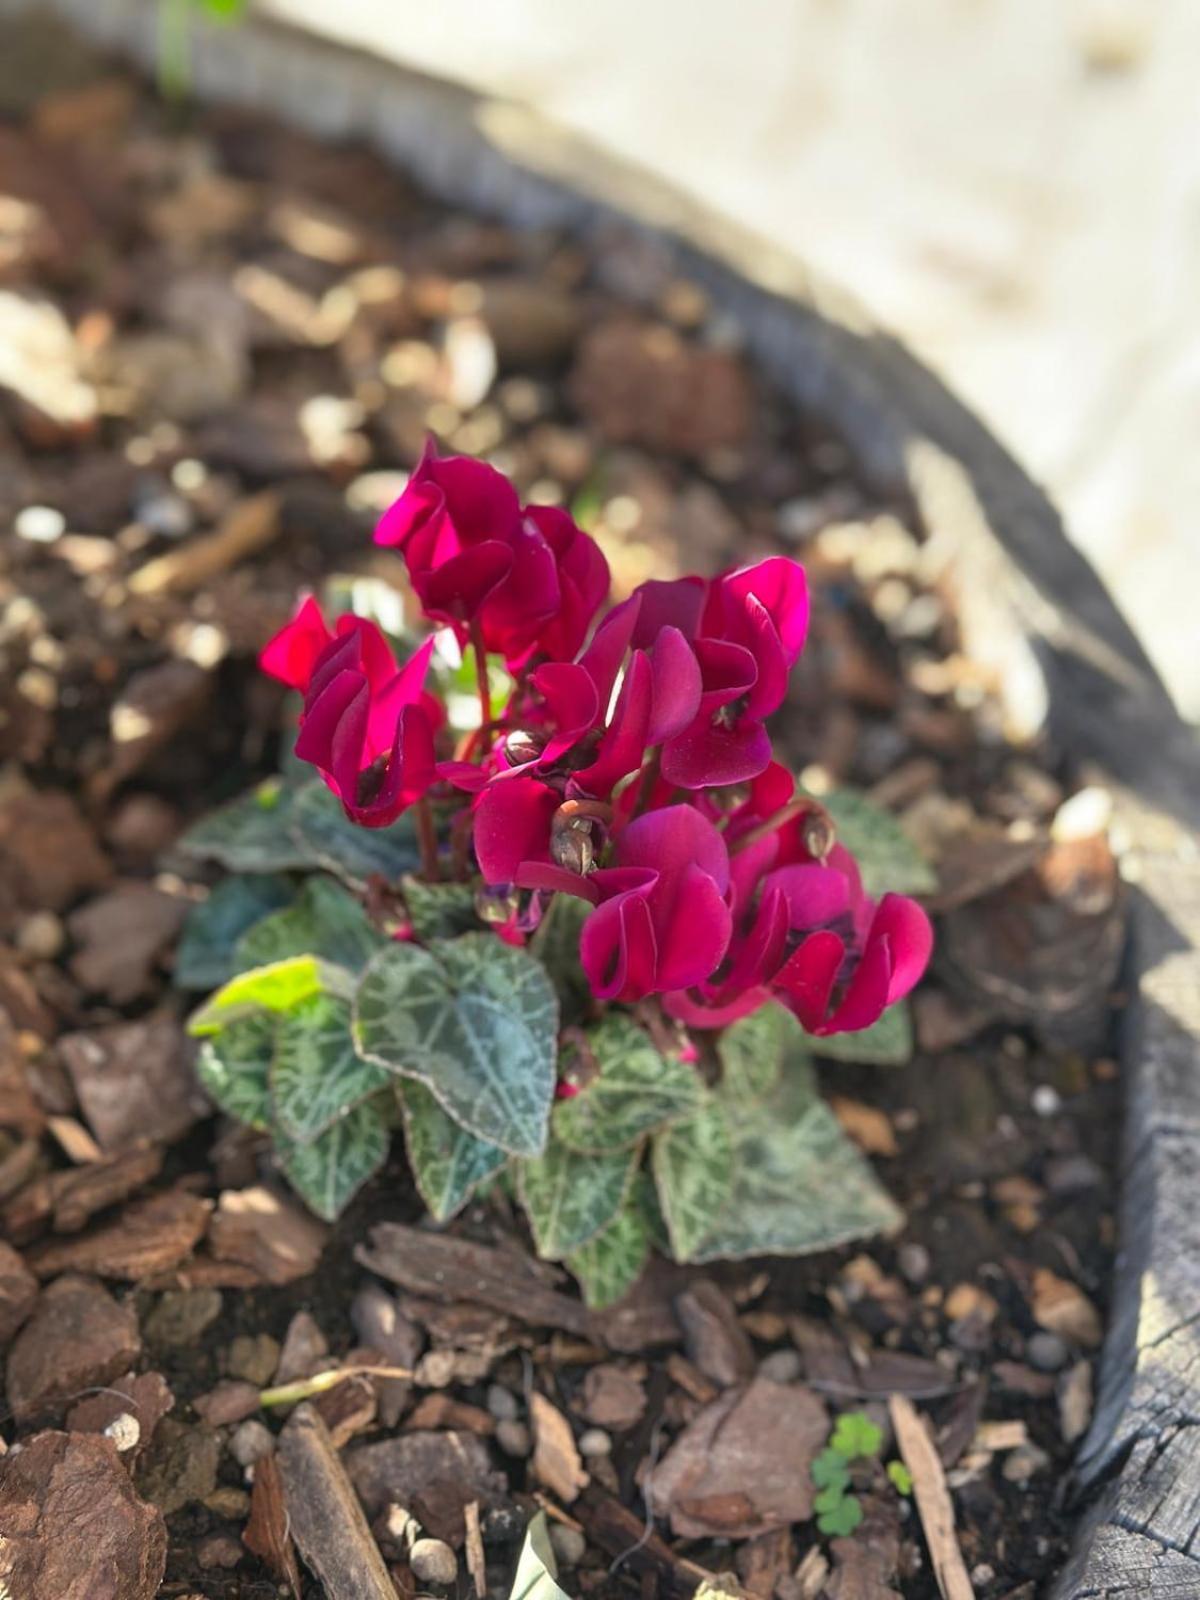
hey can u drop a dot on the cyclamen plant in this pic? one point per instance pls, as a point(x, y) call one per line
point(589, 944)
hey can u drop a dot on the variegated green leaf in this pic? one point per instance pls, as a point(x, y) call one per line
point(325, 920)
point(316, 1073)
point(476, 1021)
point(328, 1172)
point(693, 1173)
point(233, 1067)
point(320, 828)
point(888, 1043)
point(251, 834)
point(886, 856)
point(440, 910)
point(636, 1090)
point(205, 954)
point(448, 1163)
point(570, 1198)
point(609, 1265)
point(556, 946)
point(799, 1184)
point(275, 988)
point(752, 1051)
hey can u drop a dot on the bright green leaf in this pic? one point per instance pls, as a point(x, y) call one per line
point(829, 1498)
point(900, 1477)
point(798, 1184)
point(609, 1265)
point(440, 910)
point(693, 1173)
point(316, 1074)
point(250, 834)
point(886, 856)
point(320, 828)
point(537, 1569)
point(888, 1043)
point(476, 1021)
point(325, 920)
point(328, 1172)
point(635, 1091)
point(233, 1067)
point(830, 1470)
point(855, 1435)
point(204, 958)
point(570, 1198)
point(841, 1519)
point(274, 988)
point(448, 1163)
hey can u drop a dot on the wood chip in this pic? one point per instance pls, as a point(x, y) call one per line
point(476, 1559)
point(267, 1535)
point(713, 1338)
point(1063, 1308)
point(556, 1460)
point(74, 1140)
point(149, 1236)
point(262, 1229)
point(248, 528)
point(325, 1517)
point(934, 1505)
point(870, 1128)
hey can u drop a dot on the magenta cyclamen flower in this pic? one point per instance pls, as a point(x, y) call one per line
point(527, 580)
point(662, 921)
point(367, 724)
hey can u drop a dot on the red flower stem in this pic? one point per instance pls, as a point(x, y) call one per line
point(427, 839)
point(485, 692)
point(795, 808)
point(650, 774)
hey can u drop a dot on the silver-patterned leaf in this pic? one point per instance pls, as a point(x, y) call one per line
point(275, 988)
point(556, 945)
point(609, 1265)
point(204, 957)
point(325, 920)
point(752, 1051)
point(886, 856)
point(316, 1074)
point(439, 910)
point(888, 1043)
point(233, 1066)
point(448, 1163)
point(693, 1173)
point(252, 833)
point(570, 1198)
point(321, 829)
point(636, 1090)
point(474, 1020)
point(799, 1184)
point(329, 1172)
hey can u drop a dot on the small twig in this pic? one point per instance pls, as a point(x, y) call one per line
point(427, 841)
point(476, 1559)
point(934, 1506)
point(483, 686)
point(799, 806)
point(290, 1394)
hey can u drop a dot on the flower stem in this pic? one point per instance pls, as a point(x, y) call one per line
point(427, 840)
point(290, 1394)
point(485, 692)
point(801, 805)
point(649, 782)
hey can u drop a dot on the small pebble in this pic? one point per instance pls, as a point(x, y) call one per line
point(1045, 1100)
point(1022, 1463)
point(41, 936)
point(914, 1263)
point(39, 524)
point(1046, 1351)
point(401, 1527)
point(781, 1366)
point(250, 1441)
point(125, 1431)
point(218, 1550)
point(433, 1562)
point(513, 1438)
point(982, 1574)
point(253, 1357)
point(569, 1544)
point(226, 1501)
point(502, 1403)
point(594, 1442)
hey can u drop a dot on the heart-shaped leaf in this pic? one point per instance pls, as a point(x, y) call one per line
point(325, 920)
point(233, 1066)
point(752, 1051)
point(888, 1043)
point(321, 829)
point(448, 1163)
point(570, 1198)
point(475, 1021)
point(609, 1265)
point(316, 1074)
point(328, 1172)
point(798, 1184)
point(439, 910)
point(693, 1173)
point(204, 957)
point(636, 1090)
point(886, 856)
point(252, 833)
point(276, 988)
point(556, 945)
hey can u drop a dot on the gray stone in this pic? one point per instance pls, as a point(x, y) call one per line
point(433, 1561)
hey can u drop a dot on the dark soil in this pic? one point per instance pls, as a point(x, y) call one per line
point(224, 308)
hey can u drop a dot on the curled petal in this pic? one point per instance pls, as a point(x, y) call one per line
point(693, 935)
point(291, 655)
point(670, 840)
point(806, 980)
point(909, 935)
point(675, 693)
point(708, 755)
point(866, 993)
point(619, 950)
point(512, 826)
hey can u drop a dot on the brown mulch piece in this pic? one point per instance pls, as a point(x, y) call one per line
point(444, 1471)
point(268, 1233)
point(267, 1532)
point(146, 1238)
point(134, 1081)
point(77, 1337)
point(144, 1396)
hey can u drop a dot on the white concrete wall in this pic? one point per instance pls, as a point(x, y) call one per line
point(1013, 185)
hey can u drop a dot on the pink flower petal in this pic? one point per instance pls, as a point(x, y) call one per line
point(291, 655)
point(618, 949)
point(694, 935)
point(675, 694)
point(709, 756)
point(512, 826)
point(909, 935)
point(806, 980)
point(669, 840)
